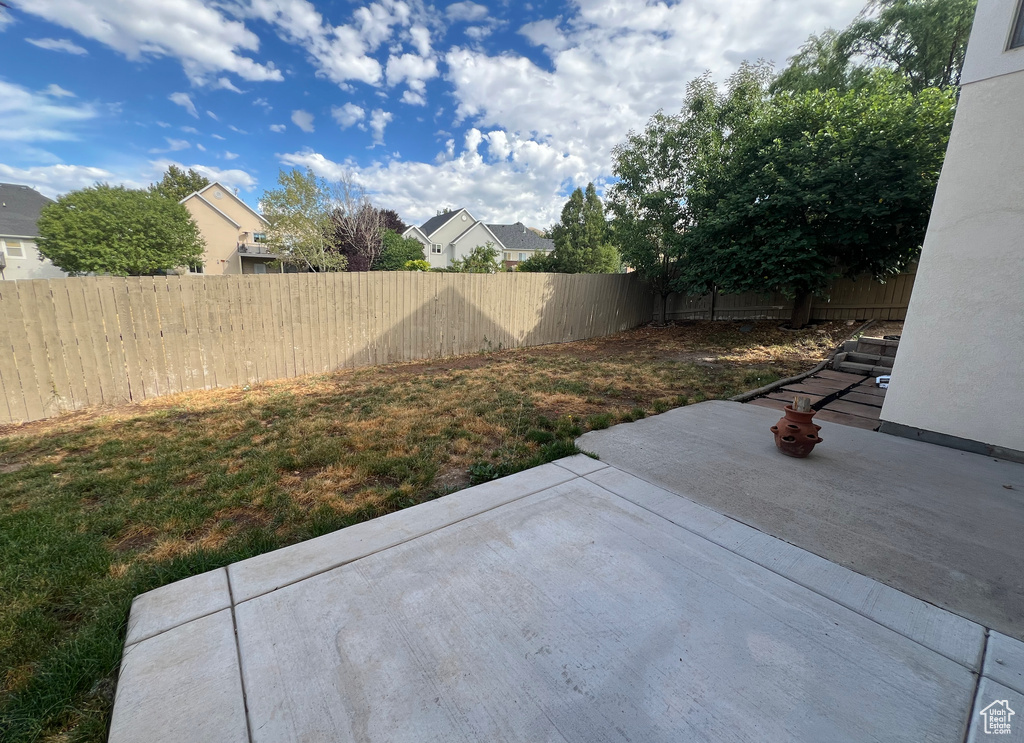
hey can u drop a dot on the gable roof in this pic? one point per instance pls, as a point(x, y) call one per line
point(19, 210)
point(520, 237)
point(481, 224)
point(210, 204)
point(230, 193)
point(433, 224)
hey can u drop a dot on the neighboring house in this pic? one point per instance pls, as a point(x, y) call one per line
point(959, 376)
point(520, 242)
point(19, 257)
point(453, 235)
point(233, 231)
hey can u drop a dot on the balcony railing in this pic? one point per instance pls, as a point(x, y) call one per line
point(253, 248)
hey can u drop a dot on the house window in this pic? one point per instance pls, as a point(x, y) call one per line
point(436, 248)
point(522, 257)
point(508, 256)
point(196, 268)
point(259, 268)
point(259, 237)
point(1017, 39)
point(15, 249)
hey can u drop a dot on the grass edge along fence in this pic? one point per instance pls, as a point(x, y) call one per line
point(68, 344)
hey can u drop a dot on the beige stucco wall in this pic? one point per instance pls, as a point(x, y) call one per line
point(221, 236)
point(960, 366)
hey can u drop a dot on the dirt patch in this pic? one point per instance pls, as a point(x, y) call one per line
point(137, 538)
point(7, 469)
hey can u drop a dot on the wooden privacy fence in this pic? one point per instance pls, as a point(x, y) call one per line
point(863, 299)
point(67, 344)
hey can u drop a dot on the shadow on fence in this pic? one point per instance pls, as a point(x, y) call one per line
point(68, 344)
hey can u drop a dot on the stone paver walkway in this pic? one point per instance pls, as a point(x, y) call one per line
point(576, 601)
point(849, 399)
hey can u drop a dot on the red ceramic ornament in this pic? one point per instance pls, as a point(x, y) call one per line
point(796, 434)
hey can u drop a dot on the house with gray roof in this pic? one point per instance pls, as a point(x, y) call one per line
point(19, 257)
point(453, 235)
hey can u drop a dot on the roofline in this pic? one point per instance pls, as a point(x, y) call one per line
point(232, 194)
point(414, 227)
point(20, 237)
point(501, 245)
point(450, 218)
point(218, 211)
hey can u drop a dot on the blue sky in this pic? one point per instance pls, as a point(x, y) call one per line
point(501, 107)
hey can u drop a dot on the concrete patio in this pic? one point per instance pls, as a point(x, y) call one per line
point(692, 585)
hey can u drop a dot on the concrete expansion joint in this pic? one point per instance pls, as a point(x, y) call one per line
point(238, 652)
point(977, 686)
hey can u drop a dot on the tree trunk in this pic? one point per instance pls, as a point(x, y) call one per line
point(801, 310)
point(661, 319)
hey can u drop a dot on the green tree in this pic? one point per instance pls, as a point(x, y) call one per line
point(397, 252)
point(481, 259)
point(120, 231)
point(302, 227)
point(538, 263)
point(581, 237)
point(655, 169)
point(417, 265)
point(177, 183)
point(815, 186)
point(924, 41)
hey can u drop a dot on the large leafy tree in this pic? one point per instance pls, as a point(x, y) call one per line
point(397, 252)
point(581, 237)
point(923, 41)
point(119, 231)
point(176, 183)
point(656, 169)
point(810, 187)
point(300, 212)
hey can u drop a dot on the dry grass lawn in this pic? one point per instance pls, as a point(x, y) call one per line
point(98, 506)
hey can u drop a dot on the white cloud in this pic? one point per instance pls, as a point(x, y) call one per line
point(277, 127)
point(347, 115)
point(173, 145)
point(183, 100)
point(303, 120)
point(213, 116)
point(54, 180)
point(466, 11)
point(189, 129)
point(524, 187)
point(414, 71)
point(378, 121)
point(55, 91)
point(545, 32)
point(163, 125)
point(35, 117)
point(235, 129)
point(420, 36)
point(230, 155)
point(611, 66)
point(58, 45)
point(477, 33)
point(232, 178)
point(197, 33)
point(200, 147)
point(264, 104)
point(224, 83)
point(217, 136)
